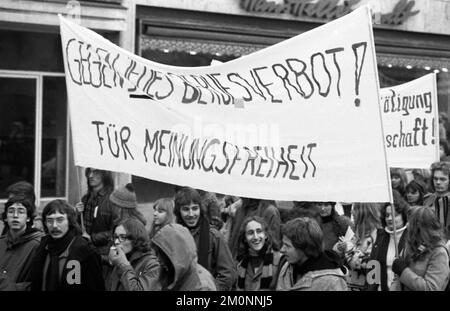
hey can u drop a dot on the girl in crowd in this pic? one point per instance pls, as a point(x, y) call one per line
point(398, 180)
point(366, 217)
point(162, 214)
point(136, 268)
point(415, 192)
point(257, 261)
point(424, 263)
point(384, 248)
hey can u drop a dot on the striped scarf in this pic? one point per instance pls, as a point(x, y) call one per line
point(441, 206)
point(270, 262)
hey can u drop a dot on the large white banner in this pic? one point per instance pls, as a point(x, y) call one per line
point(299, 120)
point(410, 120)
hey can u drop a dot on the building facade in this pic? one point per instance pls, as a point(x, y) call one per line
point(35, 142)
point(412, 38)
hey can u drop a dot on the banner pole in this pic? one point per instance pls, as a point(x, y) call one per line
point(83, 229)
point(395, 229)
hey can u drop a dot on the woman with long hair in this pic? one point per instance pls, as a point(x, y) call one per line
point(415, 193)
point(383, 250)
point(257, 260)
point(366, 218)
point(136, 267)
point(398, 180)
point(162, 214)
point(424, 264)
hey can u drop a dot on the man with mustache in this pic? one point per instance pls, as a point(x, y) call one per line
point(212, 250)
point(65, 260)
point(18, 245)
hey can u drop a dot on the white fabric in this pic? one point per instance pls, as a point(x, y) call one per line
point(406, 107)
point(310, 103)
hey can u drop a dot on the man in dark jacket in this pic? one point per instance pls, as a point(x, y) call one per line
point(212, 250)
point(18, 245)
point(65, 260)
point(99, 216)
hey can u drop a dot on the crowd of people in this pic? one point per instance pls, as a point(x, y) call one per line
point(203, 241)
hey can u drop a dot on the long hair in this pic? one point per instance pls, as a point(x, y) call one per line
point(401, 207)
point(185, 196)
point(399, 172)
point(444, 167)
point(136, 233)
point(243, 247)
point(62, 207)
point(125, 213)
point(414, 186)
point(167, 205)
point(366, 217)
point(107, 179)
point(425, 232)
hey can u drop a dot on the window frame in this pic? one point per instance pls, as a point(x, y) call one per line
point(39, 78)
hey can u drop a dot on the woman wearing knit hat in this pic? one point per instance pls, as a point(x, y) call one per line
point(162, 215)
point(124, 200)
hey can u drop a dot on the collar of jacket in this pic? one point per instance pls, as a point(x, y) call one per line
point(29, 234)
point(398, 231)
point(306, 280)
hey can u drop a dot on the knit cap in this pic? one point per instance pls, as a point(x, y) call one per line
point(123, 198)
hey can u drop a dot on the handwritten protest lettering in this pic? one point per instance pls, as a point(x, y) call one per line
point(308, 107)
point(291, 79)
point(409, 118)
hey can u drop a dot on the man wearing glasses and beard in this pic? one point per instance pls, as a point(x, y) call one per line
point(65, 260)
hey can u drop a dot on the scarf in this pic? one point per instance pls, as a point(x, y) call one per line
point(202, 229)
point(441, 206)
point(269, 265)
point(55, 247)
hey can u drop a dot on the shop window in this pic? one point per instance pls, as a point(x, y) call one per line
point(54, 133)
point(17, 130)
point(33, 113)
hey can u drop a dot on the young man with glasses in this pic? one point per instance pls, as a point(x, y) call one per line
point(65, 260)
point(18, 245)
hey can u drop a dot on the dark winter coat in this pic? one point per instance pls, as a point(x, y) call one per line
point(141, 275)
point(379, 253)
point(220, 262)
point(16, 257)
point(176, 242)
point(79, 252)
point(99, 224)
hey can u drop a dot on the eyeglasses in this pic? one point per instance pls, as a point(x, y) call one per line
point(51, 221)
point(121, 237)
point(19, 211)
